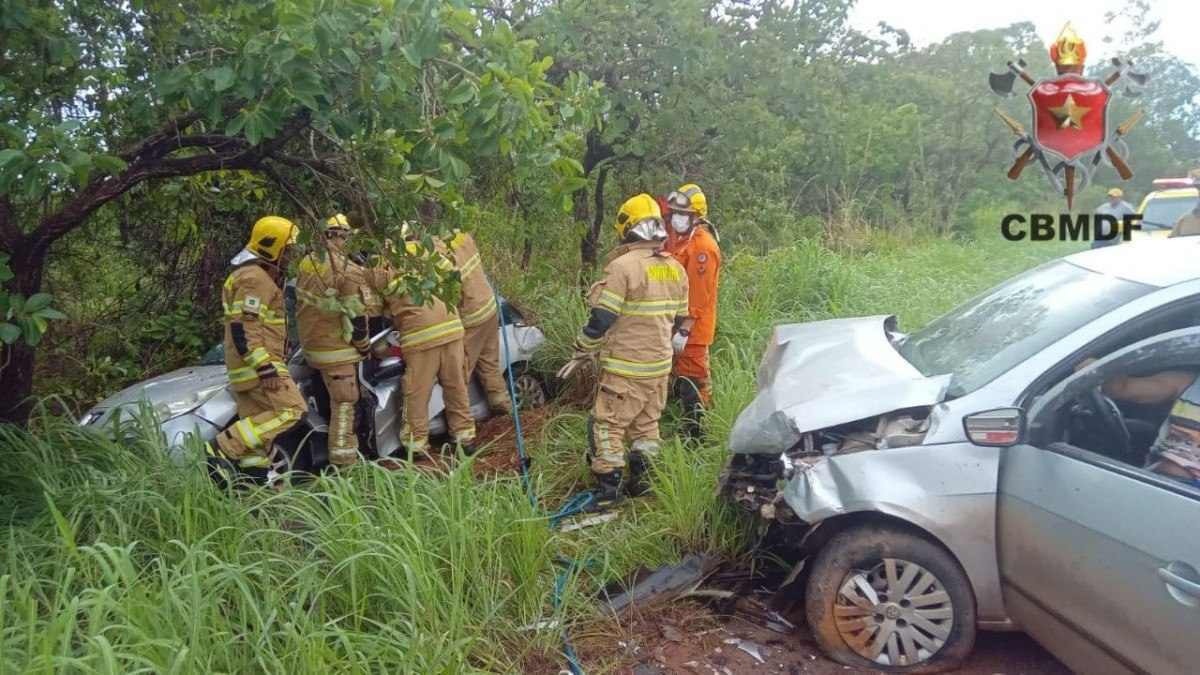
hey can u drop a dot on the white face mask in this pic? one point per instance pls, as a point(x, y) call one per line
point(681, 222)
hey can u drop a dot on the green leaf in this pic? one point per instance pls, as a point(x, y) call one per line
point(37, 301)
point(222, 78)
point(461, 94)
point(52, 314)
point(387, 40)
point(434, 183)
point(7, 156)
point(9, 333)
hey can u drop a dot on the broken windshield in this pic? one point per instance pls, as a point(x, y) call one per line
point(988, 335)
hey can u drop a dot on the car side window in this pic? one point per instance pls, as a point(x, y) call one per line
point(1099, 414)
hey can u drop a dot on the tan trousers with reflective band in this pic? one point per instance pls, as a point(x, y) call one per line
point(482, 343)
point(436, 365)
point(263, 415)
point(342, 384)
point(625, 408)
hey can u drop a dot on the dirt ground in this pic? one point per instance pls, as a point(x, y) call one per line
point(689, 637)
point(731, 637)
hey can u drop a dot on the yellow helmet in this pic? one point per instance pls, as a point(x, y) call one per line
point(635, 210)
point(338, 221)
point(270, 235)
point(698, 201)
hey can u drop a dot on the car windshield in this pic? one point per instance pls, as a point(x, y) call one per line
point(1161, 213)
point(985, 337)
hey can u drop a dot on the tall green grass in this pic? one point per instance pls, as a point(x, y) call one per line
point(114, 559)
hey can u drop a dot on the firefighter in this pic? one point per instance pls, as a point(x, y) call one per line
point(636, 309)
point(481, 320)
point(268, 402)
point(431, 339)
point(693, 242)
point(334, 302)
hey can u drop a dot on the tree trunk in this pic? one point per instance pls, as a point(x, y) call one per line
point(596, 153)
point(16, 379)
point(591, 241)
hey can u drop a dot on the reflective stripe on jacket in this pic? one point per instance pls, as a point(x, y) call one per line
point(421, 326)
point(647, 289)
point(478, 301)
point(250, 297)
point(331, 291)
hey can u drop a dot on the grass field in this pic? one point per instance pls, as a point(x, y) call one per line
point(114, 560)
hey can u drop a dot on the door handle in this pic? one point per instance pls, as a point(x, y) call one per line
point(1179, 583)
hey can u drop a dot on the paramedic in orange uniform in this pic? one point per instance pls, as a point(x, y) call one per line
point(693, 242)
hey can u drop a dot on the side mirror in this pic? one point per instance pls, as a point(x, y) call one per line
point(1000, 428)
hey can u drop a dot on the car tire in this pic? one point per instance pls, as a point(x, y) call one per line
point(930, 629)
point(530, 389)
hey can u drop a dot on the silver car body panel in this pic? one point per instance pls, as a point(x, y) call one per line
point(813, 374)
point(216, 407)
point(947, 490)
point(947, 486)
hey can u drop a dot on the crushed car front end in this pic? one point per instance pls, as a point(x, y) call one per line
point(843, 430)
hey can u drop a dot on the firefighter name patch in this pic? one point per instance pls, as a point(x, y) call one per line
point(251, 305)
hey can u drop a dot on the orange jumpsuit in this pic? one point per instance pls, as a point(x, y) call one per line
point(699, 254)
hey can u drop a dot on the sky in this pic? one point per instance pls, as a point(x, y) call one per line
point(931, 20)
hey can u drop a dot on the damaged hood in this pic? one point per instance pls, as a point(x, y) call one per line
point(824, 373)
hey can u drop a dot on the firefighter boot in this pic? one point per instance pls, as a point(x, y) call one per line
point(639, 483)
point(609, 487)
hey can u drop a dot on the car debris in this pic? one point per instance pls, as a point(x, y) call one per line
point(596, 519)
point(667, 583)
point(752, 648)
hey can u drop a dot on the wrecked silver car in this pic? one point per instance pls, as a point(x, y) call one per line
point(900, 472)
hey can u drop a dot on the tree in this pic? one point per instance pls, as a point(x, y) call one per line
point(98, 98)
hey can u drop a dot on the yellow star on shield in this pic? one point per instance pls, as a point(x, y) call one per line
point(1069, 114)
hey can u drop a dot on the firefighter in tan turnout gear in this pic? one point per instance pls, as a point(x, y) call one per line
point(481, 321)
point(431, 339)
point(268, 401)
point(636, 310)
point(333, 304)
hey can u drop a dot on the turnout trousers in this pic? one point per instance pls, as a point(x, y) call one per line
point(625, 408)
point(443, 365)
point(342, 384)
point(263, 415)
point(482, 343)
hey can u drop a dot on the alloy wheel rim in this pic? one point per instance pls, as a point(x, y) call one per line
point(529, 392)
point(895, 614)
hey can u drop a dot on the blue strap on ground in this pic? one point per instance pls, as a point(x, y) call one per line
point(561, 580)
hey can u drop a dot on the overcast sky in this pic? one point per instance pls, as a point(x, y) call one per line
point(931, 20)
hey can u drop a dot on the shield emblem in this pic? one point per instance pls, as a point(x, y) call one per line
point(1070, 116)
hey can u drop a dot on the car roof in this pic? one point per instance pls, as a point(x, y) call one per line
point(1173, 193)
point(1155, 262)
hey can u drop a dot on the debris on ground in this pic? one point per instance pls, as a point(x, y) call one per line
point(667, 583)
point(704, 618)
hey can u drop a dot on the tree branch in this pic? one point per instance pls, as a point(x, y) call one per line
point(170, 130)
point(150, 164)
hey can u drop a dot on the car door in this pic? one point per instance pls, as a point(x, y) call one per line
point(1100, 560)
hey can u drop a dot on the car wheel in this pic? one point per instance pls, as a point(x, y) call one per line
point(887, 599)
point(530, 390)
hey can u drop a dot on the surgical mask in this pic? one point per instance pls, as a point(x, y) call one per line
point(680, 222)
